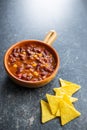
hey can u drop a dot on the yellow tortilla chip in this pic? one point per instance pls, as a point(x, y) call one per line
point(69, 90)
point(67, 112)
point(67, 100)
point(60, 104)
point(53, 103)
point(69, 87)
point(61, 92)
point(46, 113)
point(73, 99)
point(58, 112)
point(64, 82)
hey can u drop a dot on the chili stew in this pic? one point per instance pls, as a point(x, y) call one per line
point(31, 62)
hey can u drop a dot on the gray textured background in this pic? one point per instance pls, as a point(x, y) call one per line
point(32, 19)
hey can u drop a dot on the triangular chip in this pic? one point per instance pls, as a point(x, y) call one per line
point(46, 113)
point(69, 87)
point(69, 90)
point(61, 92)
point(73, 99)
point(67, 112)
point(67, 100)
point(53, 103)
point(58, 112)
point(64, 82)
point(60, 104)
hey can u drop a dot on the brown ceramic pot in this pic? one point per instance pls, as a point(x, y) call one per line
point(49, 39)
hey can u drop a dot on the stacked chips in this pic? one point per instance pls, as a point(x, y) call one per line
point(61, 104)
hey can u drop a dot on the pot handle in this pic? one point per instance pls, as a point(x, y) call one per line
point(50, 37)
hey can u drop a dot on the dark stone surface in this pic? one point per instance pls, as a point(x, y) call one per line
point(31, 19)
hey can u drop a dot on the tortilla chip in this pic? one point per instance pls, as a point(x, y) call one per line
point(73, 99)
point(67, 112)
point(60, 104)
point(53, 103)
point(67, 100)
point(69, 87)
point(46, 113)
point(61, 92)
point(64, 82)
point(58, 112)
point(69, 90)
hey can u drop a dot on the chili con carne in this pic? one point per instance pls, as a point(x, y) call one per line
point(31, 62)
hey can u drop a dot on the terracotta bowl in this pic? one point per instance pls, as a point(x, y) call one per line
point(51, 36)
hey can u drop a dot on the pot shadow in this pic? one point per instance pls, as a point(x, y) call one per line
point(9, 88)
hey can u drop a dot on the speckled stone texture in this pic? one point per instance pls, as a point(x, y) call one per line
point(32, 19)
